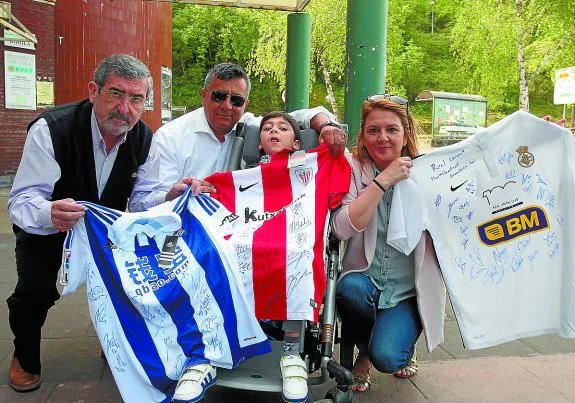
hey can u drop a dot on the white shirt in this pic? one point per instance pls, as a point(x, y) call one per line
point(189, 147)
point(497, 207)
point(29, 204)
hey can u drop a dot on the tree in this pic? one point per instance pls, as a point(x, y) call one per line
point(506, 44)
point(204, 36)
point(327, 45)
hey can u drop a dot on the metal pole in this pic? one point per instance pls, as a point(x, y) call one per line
point(366, 45)
point(298, 61)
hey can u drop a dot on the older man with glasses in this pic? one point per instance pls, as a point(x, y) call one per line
point(198, 144)
point(94, 150)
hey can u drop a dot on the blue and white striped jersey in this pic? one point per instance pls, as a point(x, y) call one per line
point(151, 319)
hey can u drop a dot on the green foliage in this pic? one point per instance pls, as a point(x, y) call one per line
point(488, 36)
point(473, 49)
point(202, 37)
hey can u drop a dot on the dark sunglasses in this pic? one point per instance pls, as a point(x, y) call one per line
point(220, 96)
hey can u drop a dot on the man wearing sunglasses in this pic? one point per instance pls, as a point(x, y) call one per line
point(94, 150)
point(198, 144)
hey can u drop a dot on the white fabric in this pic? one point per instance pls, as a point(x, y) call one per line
point(189, 147)
point(152, 321)
point(486, 202)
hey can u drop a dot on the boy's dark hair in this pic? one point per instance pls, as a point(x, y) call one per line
point(287, 117)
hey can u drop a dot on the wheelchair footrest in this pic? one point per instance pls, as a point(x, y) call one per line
point(260, 373)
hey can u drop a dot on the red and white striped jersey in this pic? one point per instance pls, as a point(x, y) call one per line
point(280, 228)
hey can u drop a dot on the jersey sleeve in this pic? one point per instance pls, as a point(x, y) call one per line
point(74, 258)
point(336, 171)
point(406, 221)
point(339, 180)
point(225, 190)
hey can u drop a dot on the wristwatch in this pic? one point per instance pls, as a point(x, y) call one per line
point(329, 123)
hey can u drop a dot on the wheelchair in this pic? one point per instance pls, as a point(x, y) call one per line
point(317, 339)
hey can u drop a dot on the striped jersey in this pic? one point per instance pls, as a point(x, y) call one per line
point(163, 292)
point(497, 207)
point(280, 227)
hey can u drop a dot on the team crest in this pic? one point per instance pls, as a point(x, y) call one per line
point(304, 175)
point(525, 158)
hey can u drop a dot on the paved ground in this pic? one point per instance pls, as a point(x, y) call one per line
point(539, 369)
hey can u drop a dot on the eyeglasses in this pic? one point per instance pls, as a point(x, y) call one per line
point(136, 100)
point(220, 96)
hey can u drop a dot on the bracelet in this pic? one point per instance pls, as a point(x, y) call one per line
point(379, 185)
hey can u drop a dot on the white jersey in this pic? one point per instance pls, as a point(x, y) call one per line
point(160, 301)
point(497, 207)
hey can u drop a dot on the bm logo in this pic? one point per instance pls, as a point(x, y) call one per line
point(504, 229)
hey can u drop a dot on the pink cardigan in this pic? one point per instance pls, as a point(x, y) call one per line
point(360, 249)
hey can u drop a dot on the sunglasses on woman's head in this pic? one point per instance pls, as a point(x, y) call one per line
point(220, 96)
point(393, 98)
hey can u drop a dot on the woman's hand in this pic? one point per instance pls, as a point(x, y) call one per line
point(395, 172)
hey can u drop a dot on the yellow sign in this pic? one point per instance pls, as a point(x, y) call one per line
point(44, 93)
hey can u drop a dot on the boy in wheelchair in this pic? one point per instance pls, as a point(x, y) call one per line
point(278, 132)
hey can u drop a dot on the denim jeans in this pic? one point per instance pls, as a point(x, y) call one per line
point(387, 335)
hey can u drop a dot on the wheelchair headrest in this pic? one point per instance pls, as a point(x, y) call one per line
point(245, 145)
point(251, 153)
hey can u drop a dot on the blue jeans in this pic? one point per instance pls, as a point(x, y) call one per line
point(387, 335)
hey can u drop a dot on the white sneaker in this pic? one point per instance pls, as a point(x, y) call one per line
point(194, 382)
point(294, 375)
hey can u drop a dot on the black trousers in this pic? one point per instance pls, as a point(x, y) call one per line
point(38, 260)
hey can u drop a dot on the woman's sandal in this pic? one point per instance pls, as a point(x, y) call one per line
point(361, 378)
point(409, 370)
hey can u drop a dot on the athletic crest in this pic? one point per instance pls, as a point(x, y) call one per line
point(525, 159)
point(304, 175)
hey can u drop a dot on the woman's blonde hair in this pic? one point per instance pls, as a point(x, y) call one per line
point(410, 127)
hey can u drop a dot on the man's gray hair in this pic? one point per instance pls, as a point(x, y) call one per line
point(226, 72)
point(124, 66)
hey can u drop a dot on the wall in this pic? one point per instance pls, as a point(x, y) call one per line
point(86, 31)
point(73, 35)
point(38, 17)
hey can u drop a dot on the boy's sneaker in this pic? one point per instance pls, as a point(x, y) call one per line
point(194, 382)
point(294, 375)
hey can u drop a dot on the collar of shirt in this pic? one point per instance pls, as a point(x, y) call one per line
point(202, 125)
point(98, 140)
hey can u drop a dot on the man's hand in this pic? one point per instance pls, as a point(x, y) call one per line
point(560, 122)
point(65, 213)
point(334, 138)
point(198, 186)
